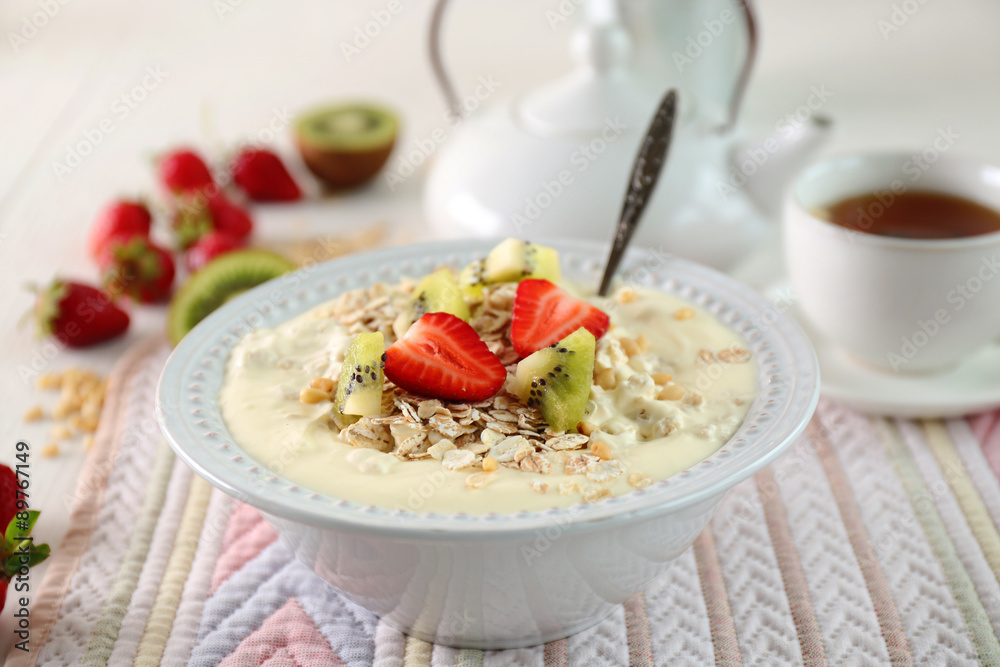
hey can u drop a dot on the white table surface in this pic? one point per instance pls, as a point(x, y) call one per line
point(226, 72)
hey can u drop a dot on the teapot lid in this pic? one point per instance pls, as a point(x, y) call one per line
point(603, 87)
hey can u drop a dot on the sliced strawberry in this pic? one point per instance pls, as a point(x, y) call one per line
point(139, 268)
point(440, 356)
point(263, 176)
point(545, 313)
point(120, 218)
point(208, 248)
point(78, 315)
point(183, 171)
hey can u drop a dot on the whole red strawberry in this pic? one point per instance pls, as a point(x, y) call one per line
point(209, 247)
point(78, 315)
point(183, 171)
point(16, 521)
point(191, 219)
point(121, 218)
point(262, 175)
point(139, 268)
point(229, 218)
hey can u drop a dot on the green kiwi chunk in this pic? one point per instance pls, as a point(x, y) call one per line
point(514, 260)
point(217, 282)
point(557, 379)
point(471, 282)
point(346, 145)
point(359, 391)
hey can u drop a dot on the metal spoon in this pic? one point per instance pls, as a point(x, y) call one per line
point(645, 172)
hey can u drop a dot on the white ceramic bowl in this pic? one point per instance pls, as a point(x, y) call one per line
point(499, 580)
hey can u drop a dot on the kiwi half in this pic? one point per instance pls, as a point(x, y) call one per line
point(345, 146)
point(217, 282)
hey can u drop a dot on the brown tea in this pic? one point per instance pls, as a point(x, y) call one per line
point(913, 215)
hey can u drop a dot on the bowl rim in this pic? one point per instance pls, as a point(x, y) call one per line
point(191, 422)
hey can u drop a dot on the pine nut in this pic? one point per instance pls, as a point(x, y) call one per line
point(60, 432)
point(311, 395)
point(323, 384)
point(490, 464)
point(684, 314)
point(601, 450)
point(630, 346)
point(586, 428)
point(606, 379)
point(49, 381)
point(661, 378)
point(643, 341)
point(34, 413)
point(627, 295)
point(672, 392)
point(50, 450)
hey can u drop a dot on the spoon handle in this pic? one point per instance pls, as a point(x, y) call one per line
point(645, 172)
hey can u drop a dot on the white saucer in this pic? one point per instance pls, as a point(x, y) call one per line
point(974, 386)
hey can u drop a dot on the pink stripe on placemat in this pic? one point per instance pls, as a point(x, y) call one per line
point(981, 424)
point(246, 536)
point(875, 581)
point(792, 575)
point(640, 648)
point(724, 641)
point(986, 428)
point(555, 654)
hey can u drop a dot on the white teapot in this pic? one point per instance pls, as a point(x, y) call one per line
point(554, 162)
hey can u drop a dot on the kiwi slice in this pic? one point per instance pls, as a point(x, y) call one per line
point(557, 379)
point(514, 260)
point(471, 282)
point(359, 391)
point(218, 281)
point(346, 145)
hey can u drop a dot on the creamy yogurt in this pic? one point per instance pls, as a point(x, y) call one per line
point(646, 435)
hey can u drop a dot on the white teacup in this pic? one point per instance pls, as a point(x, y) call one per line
point(906, 305)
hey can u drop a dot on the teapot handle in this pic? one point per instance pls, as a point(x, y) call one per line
point(735, 100)
point(437, 61)
point(740, 87)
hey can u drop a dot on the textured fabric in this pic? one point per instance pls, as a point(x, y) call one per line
point(872, 541)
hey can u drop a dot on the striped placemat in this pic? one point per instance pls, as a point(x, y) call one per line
point(872, 541)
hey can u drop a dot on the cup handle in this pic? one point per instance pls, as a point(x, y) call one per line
point(437, 61)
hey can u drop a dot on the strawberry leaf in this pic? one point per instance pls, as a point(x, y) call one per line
point(19, 528)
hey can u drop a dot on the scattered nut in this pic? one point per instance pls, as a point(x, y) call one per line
point(601, 450)
point(60, 432)
point(586, 428)
point(50, 450)
point(323, 384)
point(661, 378)
point(627, 295)
point(490, 464)
point(606, 379)
point(642, 341)
point(34, 413)
point(49, 381)
point(630, 346)
point(672, 392)
point(684, 314)
point(312, 395)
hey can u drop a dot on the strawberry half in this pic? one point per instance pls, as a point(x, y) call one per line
point(440, 356)
point(228, 218)
point(208, 248)
point(119, 219)
point(263, 176)
point(78, 315)
point(545, 313)
point(139, 268)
